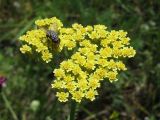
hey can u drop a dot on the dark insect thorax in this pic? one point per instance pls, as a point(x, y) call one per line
point(53, 36)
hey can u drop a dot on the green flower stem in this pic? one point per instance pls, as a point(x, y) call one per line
point(73, 110)
point(7, 103)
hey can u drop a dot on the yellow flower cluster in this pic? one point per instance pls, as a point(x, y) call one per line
point(95, 54)
point(36, 40)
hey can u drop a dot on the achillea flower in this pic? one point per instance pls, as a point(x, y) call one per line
point(63, 96)
point(25, 48)
point(95, 54)
point(37, 40)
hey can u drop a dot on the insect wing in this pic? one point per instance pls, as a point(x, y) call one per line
point(54, 27)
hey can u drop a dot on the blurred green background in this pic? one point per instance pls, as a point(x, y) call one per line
point(27, 94)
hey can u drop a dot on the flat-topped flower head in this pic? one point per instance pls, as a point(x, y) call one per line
point(93, 54)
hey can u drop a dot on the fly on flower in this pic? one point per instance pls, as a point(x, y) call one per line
point(52, 33)
point(53, 36)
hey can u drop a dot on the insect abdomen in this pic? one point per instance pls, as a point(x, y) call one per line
point(53, 36)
